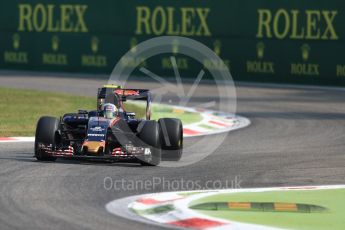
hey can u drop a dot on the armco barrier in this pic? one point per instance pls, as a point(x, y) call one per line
point(296, 41)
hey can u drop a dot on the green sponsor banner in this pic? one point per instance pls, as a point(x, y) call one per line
point(295, 41)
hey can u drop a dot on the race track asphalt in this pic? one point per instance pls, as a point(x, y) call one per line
point(297, 137)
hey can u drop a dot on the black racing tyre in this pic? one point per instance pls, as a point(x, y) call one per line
point(149, 134)
point(171, 132)
point(46, 134)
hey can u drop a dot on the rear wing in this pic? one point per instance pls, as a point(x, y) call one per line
point(117, 95)
point(133, 94)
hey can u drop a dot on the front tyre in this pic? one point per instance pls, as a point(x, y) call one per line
point(46, 131)
point(149, 134)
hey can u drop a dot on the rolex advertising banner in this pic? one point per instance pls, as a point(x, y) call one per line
point(296, 41)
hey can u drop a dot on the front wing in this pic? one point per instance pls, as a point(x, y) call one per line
point(126, 154)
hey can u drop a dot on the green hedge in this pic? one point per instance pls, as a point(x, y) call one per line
point(296, 41)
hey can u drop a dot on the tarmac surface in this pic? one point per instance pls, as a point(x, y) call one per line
point(297, 137)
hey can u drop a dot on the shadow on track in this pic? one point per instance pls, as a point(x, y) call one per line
point(32, 159)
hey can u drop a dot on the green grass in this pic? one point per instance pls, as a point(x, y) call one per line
point(186, 117)
point(333, 199)
point(159, 111)
point(21, 109)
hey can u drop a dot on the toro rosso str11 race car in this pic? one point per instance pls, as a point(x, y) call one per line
point(110, 133)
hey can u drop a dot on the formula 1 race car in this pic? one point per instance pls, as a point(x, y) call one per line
point(110, 133)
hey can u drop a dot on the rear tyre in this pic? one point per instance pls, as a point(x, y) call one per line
point(149, 134)
point(46, 131)
point(171, 132)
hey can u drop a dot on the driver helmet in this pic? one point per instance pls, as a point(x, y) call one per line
point(109, 110)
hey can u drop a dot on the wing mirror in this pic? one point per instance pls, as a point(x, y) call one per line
point(131, 114)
